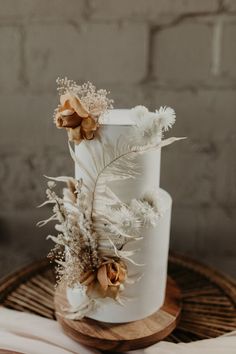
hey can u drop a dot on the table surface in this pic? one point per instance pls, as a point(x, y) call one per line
point(209, 298)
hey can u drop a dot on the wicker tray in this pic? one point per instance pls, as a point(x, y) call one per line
point(209, 298)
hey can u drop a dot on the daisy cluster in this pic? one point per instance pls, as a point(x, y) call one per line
point(151, 125)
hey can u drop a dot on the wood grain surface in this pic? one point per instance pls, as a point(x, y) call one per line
point(123, 336)
point(4, 351)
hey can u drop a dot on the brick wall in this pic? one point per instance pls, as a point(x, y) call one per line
point(180, 53)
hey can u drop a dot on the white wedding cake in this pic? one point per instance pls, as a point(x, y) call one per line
point(114, 219)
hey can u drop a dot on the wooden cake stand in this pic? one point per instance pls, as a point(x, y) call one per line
point(123, 336)
point(208, 297)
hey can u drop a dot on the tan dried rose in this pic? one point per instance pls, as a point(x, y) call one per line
point(88, 278)
point(73, 116)
point(107, 279)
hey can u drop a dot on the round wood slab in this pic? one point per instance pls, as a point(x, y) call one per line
point(123, 336)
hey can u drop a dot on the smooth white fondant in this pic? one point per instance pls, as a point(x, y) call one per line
point(147, 295)
point(117, 117)
point(77, 295)
point(149, 162)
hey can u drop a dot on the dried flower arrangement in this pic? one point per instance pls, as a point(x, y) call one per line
point(79, 109)
point(93, 224)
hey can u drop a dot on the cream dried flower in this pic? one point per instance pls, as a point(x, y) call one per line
point(167, 117)
point(148, 126)
point(151, 124)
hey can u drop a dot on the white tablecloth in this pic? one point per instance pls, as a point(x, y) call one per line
point(31, 334)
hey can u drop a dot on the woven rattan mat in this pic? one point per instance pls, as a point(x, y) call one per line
point(209, 298)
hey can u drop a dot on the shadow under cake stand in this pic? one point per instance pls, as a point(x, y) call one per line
point(122, 336)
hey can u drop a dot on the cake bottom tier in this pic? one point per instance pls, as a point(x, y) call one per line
point(147, 295)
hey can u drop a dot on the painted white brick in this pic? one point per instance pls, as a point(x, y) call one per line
point(148, 9)
point(95, 52)
point(33, 10)
point(182, 53)
point(128, 96)
point(229, 51)
point(201, 171)
point(22, 174)
point(10, 58)
point(203, 175)
point(230, 5)
point(225, 173)
point(31, 125)
point(28, 121)
point(202, 115)
point(187, 176)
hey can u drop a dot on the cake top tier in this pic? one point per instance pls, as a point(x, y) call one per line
point(118, 117)
point(83, 109)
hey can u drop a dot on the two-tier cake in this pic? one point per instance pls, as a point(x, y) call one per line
point(113, 220)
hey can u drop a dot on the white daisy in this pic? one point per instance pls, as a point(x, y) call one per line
point(154, 199)
point(139, 111)
point(148, 126)
point(125, 219)
point(167, 116)
point(145, 212)
point(51, 184)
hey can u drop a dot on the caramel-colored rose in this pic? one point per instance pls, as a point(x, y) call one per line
point(107, 279)
point(73, 116)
